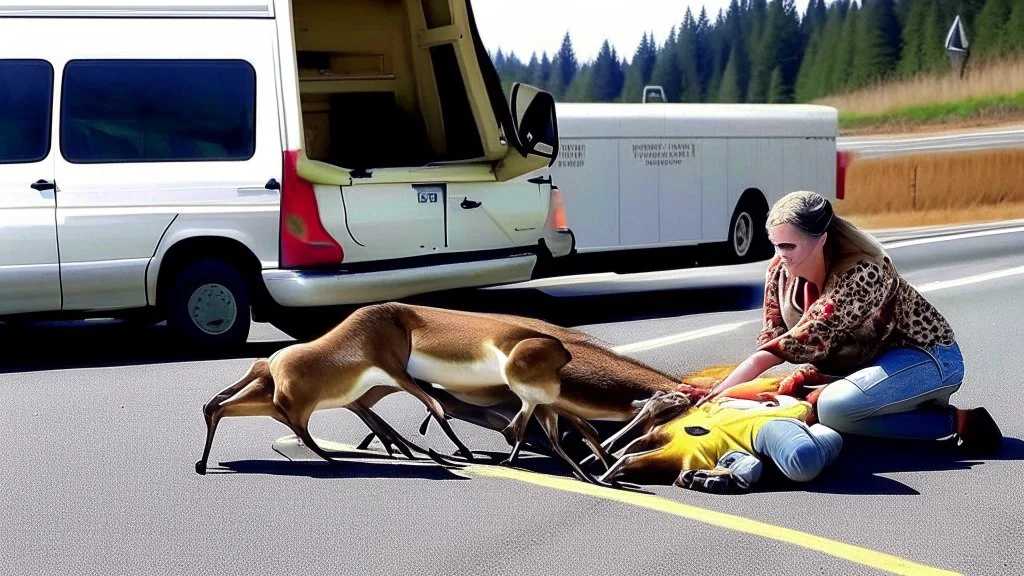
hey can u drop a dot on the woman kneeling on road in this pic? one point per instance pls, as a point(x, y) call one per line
point(835, 303)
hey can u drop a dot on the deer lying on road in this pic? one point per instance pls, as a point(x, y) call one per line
point(677, 440)
point(479, 358)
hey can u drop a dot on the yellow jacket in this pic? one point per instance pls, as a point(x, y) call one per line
point(705, 434)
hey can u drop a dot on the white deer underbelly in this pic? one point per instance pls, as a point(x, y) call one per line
point(370, 378)
point(460, 376)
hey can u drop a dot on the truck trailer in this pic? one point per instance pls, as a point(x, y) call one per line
point(647, 179)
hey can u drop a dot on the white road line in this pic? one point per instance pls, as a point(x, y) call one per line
point(951, 237)
point(683, 337)
point(943, 284)
point(671, 339)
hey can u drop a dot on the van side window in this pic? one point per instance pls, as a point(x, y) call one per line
point(158, 111)
point(26, 102)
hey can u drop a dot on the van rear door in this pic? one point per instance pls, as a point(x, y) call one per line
point(388, 221)
point(29, 266)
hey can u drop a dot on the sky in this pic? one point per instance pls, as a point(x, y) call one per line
point(525, 26)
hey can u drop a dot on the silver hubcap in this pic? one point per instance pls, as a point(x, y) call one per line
point(212, 309)
point(743, 234)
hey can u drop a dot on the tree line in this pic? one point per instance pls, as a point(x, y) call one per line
point(765, 51)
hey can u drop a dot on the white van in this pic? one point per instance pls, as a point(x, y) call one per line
point(195, 160)
point(664, 176)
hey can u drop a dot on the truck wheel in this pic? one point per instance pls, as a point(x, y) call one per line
point(208, 306)
point(747, 236)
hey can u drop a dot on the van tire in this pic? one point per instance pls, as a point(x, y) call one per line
point(748, 239)
point(208, 306)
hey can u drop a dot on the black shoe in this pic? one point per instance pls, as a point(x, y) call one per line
point(979, 435)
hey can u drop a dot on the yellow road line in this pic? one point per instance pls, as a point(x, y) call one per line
point(292, 449)
point(842, 550)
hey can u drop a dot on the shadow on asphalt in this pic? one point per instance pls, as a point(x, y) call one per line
point(54, 346)
point(858, 469)
point(65, 345)
point(399, 468)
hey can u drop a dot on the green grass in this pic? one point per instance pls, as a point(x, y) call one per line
point(975, 108)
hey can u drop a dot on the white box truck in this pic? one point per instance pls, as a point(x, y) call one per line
point(656, 177)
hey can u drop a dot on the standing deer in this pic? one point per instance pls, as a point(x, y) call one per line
point(598, 385)
point(384, 348)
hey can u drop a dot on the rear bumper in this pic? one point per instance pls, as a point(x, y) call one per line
point(307, 288)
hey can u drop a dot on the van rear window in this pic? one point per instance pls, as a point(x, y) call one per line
point(26, 101)
point(158, 111)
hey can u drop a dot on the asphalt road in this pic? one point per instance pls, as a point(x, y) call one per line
point(957, 141)
point(99, 453)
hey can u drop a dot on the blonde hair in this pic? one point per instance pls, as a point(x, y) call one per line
point(812, 213)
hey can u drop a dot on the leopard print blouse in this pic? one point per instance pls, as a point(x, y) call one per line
point(864, 309)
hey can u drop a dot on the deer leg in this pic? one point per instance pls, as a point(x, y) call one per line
point(590, 436)
point(385, 438)
point(642, 416)
point(516, 431)
point(406, 382)
point(384, 430)
point(255, 398)
point(532, 374)
point(549, 421)
point(624, 464)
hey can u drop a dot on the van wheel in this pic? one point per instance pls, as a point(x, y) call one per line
point(208, 306)
point(747, 236)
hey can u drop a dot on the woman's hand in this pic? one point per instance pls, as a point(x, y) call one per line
point(751, 368)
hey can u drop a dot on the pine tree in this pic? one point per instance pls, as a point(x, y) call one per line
point(720, 56)
point(729, 91)
point(933, 36)
point(739, 55)
point(563, 69)
point(640, 69)
point(877, 45)
point(911, 61)
point(1015, 29)
point(804, 89)
point(754, 21)
point(687, 78)
point(666, 68)
point(606, 81)
point(777, 92)
point(704, 58)
point(990, 29)
point(580, 89)
point(840, 75)
point(542, 76)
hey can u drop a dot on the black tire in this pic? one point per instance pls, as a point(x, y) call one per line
point(748, 240)
point(209, 280)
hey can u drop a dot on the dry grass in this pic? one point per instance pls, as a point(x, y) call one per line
point(976, 214)
point(981, 80)
point(936, 188)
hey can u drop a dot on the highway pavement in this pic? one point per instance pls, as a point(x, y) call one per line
point(98, 452)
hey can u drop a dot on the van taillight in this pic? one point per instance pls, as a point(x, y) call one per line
point(558, 219)
point(304, 241)
point(842, 161)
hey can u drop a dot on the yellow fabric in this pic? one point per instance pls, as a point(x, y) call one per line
point(729, 428)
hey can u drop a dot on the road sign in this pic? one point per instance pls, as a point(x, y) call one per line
point(957, 48)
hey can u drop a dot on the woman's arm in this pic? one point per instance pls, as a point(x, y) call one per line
point(751, 368)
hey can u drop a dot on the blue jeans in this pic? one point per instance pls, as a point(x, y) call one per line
point(903, 394)
point(799, 451)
